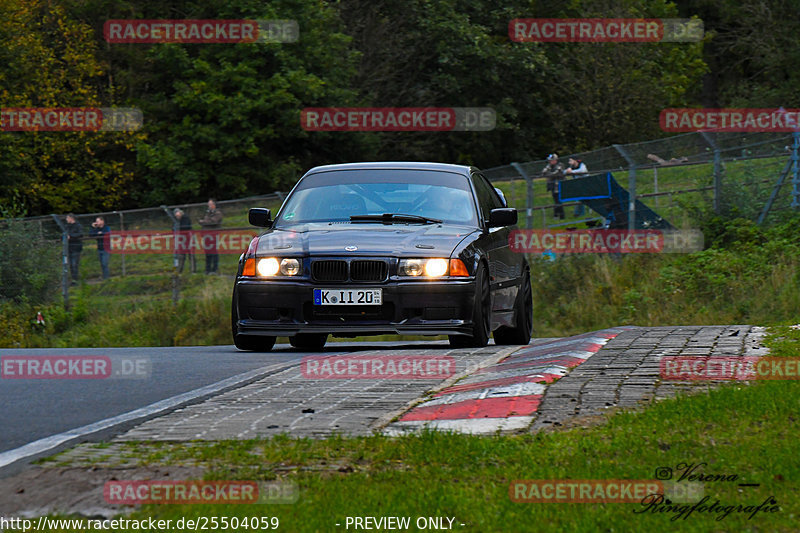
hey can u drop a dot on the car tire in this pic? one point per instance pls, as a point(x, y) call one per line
point(481, 315)
point(249, 343)
point(312, 342)
point(520, 334)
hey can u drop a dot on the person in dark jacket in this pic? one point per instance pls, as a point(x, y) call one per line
point(554, 172)
point(185, 228)
point(101, 232)
point(74, 245)
point(211, 222)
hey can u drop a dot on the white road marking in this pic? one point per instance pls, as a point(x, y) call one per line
point(53, 443)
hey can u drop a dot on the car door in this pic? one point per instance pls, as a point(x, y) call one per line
point(504, 265)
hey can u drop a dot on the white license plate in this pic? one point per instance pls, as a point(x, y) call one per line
point(348, 297)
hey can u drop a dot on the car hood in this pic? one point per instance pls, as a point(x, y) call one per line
point(370, 239)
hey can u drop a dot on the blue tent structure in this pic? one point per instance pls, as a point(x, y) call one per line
point(603, 194)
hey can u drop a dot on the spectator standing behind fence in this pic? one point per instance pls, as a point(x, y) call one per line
point(554, 172)
point(74, 246)
point(211, 221)
point(577, 169)
point(101, 232)
point(182, 249)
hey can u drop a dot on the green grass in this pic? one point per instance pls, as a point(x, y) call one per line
point(748, 430)
point(746, 275)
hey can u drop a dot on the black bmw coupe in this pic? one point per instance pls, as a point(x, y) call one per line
point(384, 248)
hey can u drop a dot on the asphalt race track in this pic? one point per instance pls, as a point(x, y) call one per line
point(219, 392)
point(36, 410)
point(211, 393)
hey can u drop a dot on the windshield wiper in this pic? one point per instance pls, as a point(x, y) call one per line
point(390, 218)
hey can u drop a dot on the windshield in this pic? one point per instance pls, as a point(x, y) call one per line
point(334, 197)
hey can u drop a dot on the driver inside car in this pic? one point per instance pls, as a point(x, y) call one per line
point(446, 204)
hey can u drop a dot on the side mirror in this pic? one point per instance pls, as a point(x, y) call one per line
point(504, 216)
point(258, 216)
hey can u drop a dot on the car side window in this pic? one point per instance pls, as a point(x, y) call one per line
point(487, 197)
point(496, 200)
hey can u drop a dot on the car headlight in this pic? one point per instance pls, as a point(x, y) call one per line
point(411, 267)
point(267, 266)
point(272, 266)
point(436, 267)
point(430, 268)
point(290, 267)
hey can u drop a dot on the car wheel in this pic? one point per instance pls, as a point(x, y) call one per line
point(309, 341)
point(481, 315)
point(523, 318)
point(250, 343)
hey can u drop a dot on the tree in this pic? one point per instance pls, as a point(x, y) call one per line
point(49, 61)
point(224, 119)
point(599, 94)
point(449, 53)
point(752, 52)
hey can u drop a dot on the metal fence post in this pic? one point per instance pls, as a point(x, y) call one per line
point(631, 186)
point(64, 261)
point(529, 197)
point(175, 277)
point(796, 173)
point(655, 185)
point(122, 228)
point(717, 172)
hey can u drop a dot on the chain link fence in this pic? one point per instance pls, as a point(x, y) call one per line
point(755, 176)
point(729, 173)
point(45, 238)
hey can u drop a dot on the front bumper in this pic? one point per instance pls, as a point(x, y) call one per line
point(413, 307)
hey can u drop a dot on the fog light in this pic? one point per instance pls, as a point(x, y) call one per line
point(290, 267)
point(267, 266)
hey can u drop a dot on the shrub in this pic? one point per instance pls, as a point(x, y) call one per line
point(29, 265)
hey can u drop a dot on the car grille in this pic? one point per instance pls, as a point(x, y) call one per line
point(368, 270)
point(356, 270)
point(329, 270)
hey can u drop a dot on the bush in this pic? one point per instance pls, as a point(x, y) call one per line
point(29, 266)
point(747, 274)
